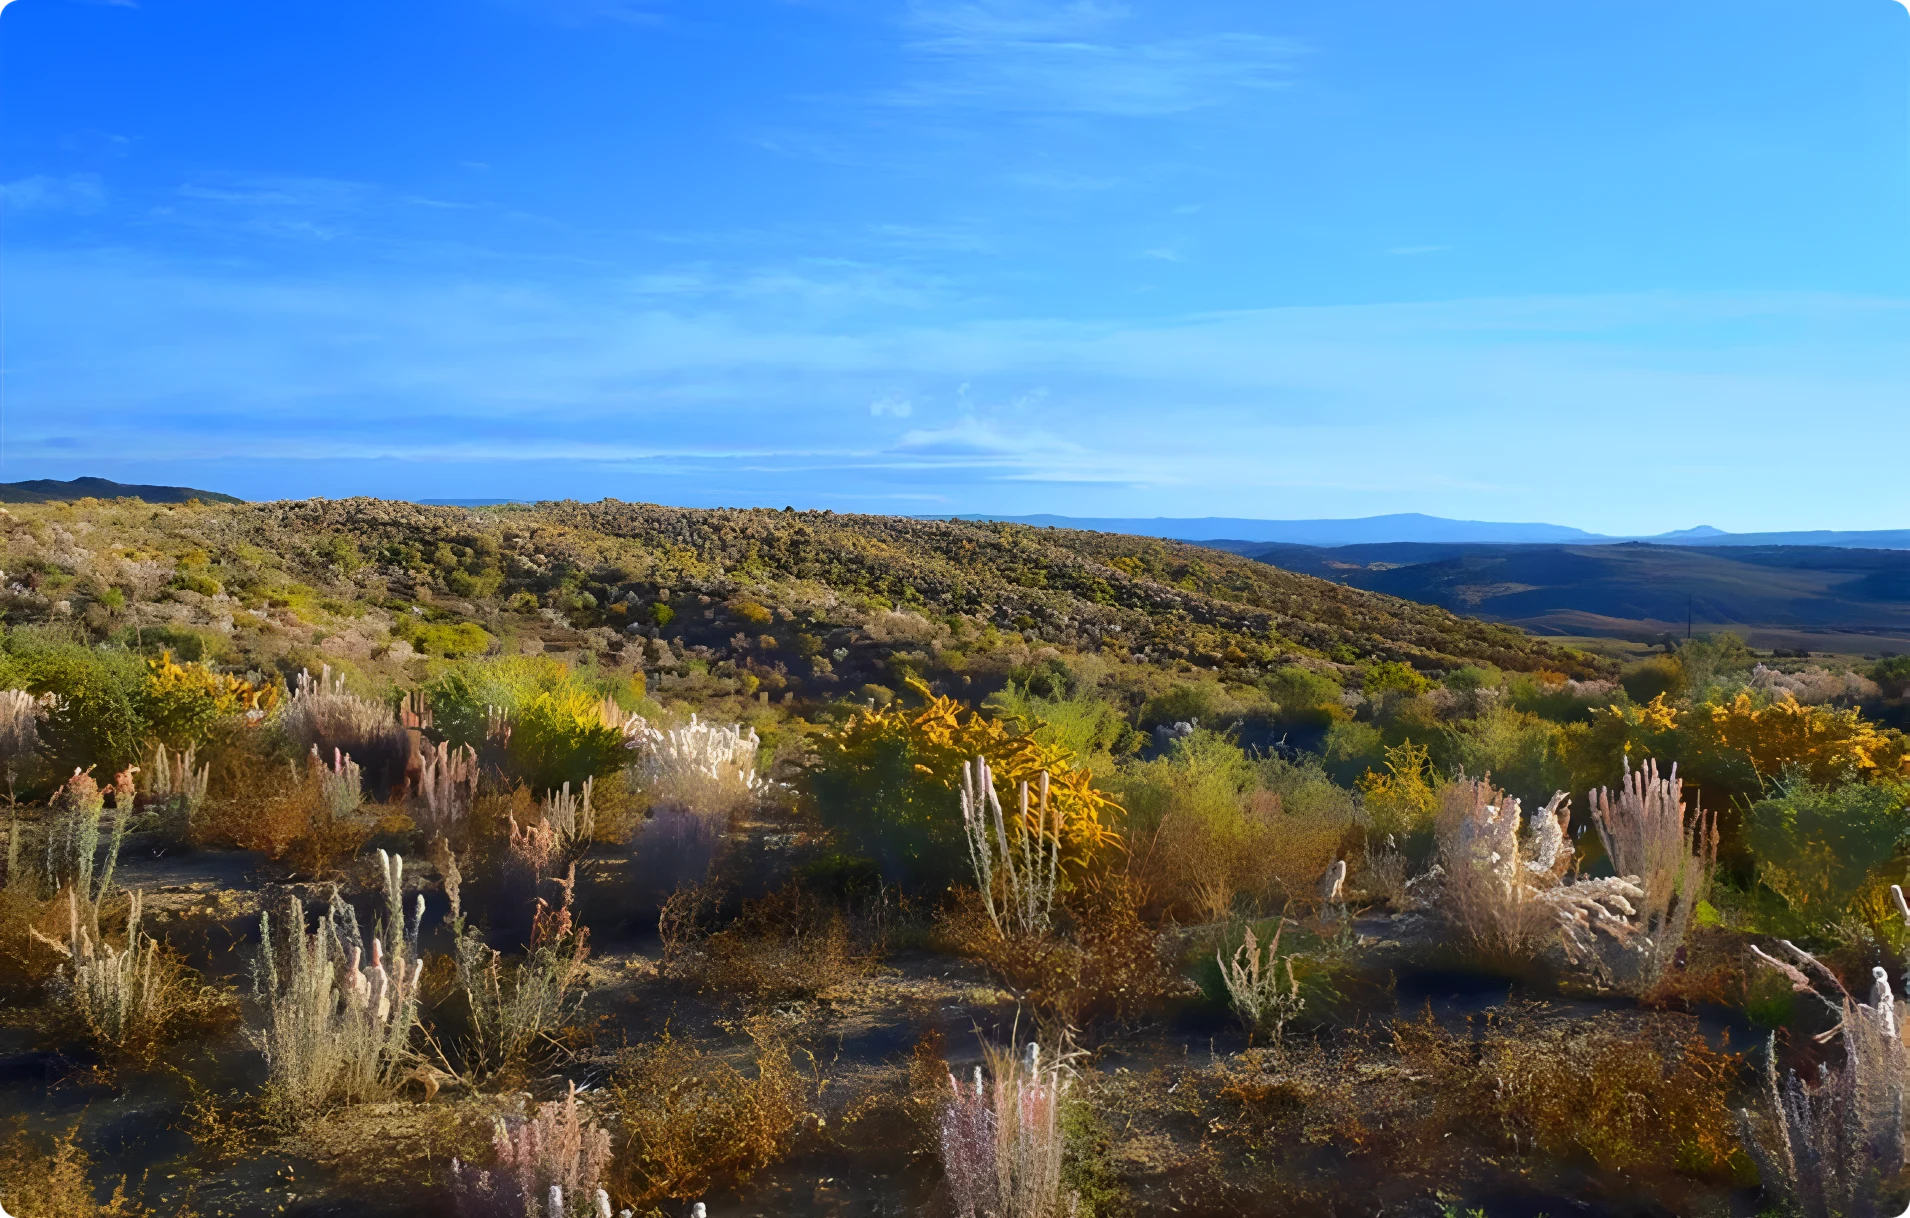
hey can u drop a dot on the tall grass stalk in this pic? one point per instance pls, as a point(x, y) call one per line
point(1648, 835)
point(447, 787)
point(179, 784)
point(1831, 1150)
point(571, 817)
point(334, 1029)
point(72, 839)
point(550, 1165)
point(1024, 865)
point(1000, 1137)
point(700, 766)
point(1263, 999)
point(1508, 898)
point(341, 784)
point(123, 998)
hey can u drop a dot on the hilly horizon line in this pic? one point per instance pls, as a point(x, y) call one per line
point(1325, 532)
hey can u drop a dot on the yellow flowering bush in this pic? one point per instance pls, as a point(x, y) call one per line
point(888, 781)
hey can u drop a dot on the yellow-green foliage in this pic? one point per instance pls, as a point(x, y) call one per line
point(1736, 749)
point(558, 733)
point(1823, 849)
point(887, 785)
point(1401, 802)
point(1390, 675)
point(182, 701)
point(449, 639)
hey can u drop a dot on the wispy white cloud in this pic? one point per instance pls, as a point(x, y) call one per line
point(1315, 411)
point(75, 193)
point(1082, 58)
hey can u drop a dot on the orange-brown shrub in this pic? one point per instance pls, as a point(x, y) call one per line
point(1623, 1092)
point(1103, 963)
point(691, 1120)
point(786, 945)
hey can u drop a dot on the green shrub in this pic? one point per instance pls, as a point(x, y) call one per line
point(1205, 703)
point(98, 722)
point(1822, 847)
point(451, 640)
point(1389, 675)
point(1892, 675)
point(1305, 696)
point(558, 734)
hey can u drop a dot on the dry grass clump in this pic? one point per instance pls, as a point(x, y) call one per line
point(516, 1009)
point(1000, 1136)
point(42, 1181)
point(1837, 1148)
point(787, 945)
point(128, 1001)
point(1103, 963)
point(699, 766)
point(322, 714)
point(1625, 1093)
point(691, 1120)
point(335, 1030)
point(1648, 835)
point(446, 789)
point(1507, 897)
point(176, 785)
point(548, 1166)
point(1261, 985)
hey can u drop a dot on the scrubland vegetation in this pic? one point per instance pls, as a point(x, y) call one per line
point(591, 859)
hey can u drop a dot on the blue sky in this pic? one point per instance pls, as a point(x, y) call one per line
point(1628, 265)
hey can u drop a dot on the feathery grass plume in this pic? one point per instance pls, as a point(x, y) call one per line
point(341, 785)
point(709, 769)
point(1508, 899)
point(1000, 1139)
point(72, 838)
point(548, 1166)
point(513, 1008)
point(19, 732)
point(1648, 835)
point(1831, 1150)
point(571, 818)
point(1262, 999)
point(176, 782)
point(1025, 865)
point(447, 787)
point(125, 1000)
point(322, 714)
point(335, 1030)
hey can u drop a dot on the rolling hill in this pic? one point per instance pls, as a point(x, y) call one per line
point(48, 490)
point(1821, 598)
point(351, 576)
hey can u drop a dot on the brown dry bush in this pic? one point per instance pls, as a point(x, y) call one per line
point(26, 962)
point(691, 1120)
point(1106, 964)
point(42, 1181)
point(785, 945)
point(1623, 1092)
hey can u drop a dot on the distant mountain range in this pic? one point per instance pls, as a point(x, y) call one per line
point(1816, 598)
point(1414, 527)
point(47, 490)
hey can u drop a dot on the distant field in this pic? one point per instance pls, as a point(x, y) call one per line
point(1815, 598)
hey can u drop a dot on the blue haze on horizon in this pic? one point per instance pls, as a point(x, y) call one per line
point(1621, 265)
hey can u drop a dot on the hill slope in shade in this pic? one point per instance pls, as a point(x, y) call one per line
point(1634, 588)
point(48, 490)
point(1403, 526)
point(1414, 527)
